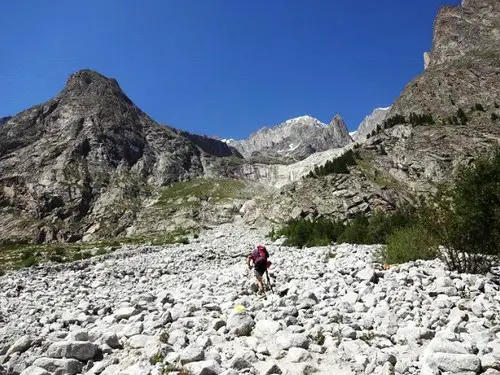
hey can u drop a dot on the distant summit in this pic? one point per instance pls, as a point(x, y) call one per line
point(370, 123)
point(294, 139)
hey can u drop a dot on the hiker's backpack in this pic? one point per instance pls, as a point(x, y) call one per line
point(260, 256)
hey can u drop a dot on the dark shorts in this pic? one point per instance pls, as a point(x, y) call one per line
point(259, 271)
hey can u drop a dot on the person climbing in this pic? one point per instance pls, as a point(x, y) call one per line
point(259, 258)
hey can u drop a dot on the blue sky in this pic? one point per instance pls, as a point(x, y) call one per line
point(220, 67)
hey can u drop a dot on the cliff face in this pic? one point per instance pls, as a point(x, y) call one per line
point(463, 67)
point(294, 139)
point(87, 158)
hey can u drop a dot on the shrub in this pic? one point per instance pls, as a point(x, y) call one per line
point(2, 272)
point(307, 233)
point(101, 251)
point(466, 216)
point(28, 259)
point(183, 240)
point(408, 244)
point(462, 117)
point(494, 117)
point(393, 121)
point(425, 119)
point(479, 107)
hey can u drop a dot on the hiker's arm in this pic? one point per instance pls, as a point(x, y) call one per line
point(249, 258)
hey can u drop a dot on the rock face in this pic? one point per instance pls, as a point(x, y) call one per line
point(294, 139)
point(148, 310)
point(369, 124)
point(87, 158)
point(463, 65)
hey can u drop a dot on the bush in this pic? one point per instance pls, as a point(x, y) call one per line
point(183, 240)
point(466, 216)
point(393, 121)
point(478, 107)
point(307, 233)
point(361, 230)
point(417, 120)
point(494, 117)
point(102, 251)
point(462, 117)
point(28, 259)
point(408, 244)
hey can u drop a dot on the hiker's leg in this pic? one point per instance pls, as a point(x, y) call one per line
point(258, 276)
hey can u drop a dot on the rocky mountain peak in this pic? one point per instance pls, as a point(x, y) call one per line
point(370, 123)
point(295, 139)
point(90, 83)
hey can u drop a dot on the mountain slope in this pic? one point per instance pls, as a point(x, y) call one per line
point(294, 140)
point(443, 118)
point(87, 158)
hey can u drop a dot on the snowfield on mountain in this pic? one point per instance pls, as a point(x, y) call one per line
point(173, 310)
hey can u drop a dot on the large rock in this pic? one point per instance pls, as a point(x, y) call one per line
point(64, 366)
point(240, 324)
point(80, 350)
point(22, 344)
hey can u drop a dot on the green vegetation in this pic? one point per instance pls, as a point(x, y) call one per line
point(337, 165)
point(361, 230)
point(417, 120)
point(192, 191)
point(464, 218)
point(393, 121)
point(479, 107)
point(409, 243)
point(462, 117)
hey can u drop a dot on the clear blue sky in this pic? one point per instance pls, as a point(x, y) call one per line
point(220, 67)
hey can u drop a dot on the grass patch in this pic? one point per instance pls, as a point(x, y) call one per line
point(200, 189)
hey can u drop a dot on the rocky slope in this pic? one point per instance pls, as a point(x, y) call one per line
point(410, 154)
point(84, 162)
point(369, 124)
point(147, 310)
point(294, 139)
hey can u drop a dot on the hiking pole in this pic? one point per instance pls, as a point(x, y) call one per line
point(269, 282)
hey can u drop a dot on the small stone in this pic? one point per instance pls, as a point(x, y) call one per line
point(296, 355)
point(125, 313)
point(209, 367)
point(191, 354)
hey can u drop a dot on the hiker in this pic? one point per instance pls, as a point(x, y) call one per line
point(259, 258)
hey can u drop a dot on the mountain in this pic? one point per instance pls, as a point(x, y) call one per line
point(3, 120)
point(84, 162)
point(294, 139)
point(370, 123)
point(443, 118)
